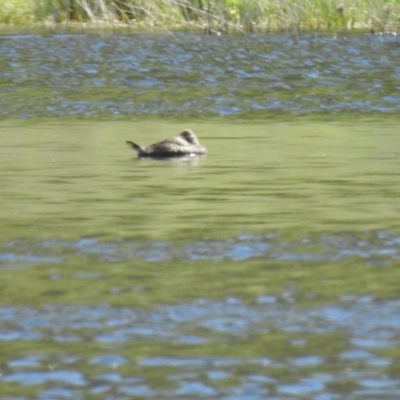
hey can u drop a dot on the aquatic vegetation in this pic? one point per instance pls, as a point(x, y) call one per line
point(210, 16)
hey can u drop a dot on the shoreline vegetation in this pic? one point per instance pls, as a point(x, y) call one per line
point(208, 16)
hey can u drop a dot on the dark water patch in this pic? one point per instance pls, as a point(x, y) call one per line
point(194, 75)
point(375, 248)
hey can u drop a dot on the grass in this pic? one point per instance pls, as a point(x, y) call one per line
point(210, 16)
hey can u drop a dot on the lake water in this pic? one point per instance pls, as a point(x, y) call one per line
point(265, 270)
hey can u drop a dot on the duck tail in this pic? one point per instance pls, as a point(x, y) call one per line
point(136, 147)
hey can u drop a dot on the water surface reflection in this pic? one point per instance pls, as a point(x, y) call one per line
point(371, 247)
point(359, 359)
point(194, 75)
point(267, 269)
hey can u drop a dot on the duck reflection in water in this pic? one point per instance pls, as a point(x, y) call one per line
point(184, 145)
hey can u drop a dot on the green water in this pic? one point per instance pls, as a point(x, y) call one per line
point(77, 179)
point(280, 218)
point(267, 269)
point(71, 181)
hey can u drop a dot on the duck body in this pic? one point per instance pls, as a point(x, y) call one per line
point(185, 144)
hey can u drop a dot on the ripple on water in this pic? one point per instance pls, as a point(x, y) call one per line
point(304, 386)
point(371, 320)
point(31, 378)
point(330, 248)
point(371, 325)
point(118, 75)
point(226, 377)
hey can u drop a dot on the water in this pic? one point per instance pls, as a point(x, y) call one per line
point(197, 76)
point(268, 269)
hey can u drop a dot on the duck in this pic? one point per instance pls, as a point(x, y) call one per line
point(184, 144)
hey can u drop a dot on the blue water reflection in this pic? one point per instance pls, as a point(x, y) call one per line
point(246, 76)
point(358, 318)
point(370, 246)
point(369, 325)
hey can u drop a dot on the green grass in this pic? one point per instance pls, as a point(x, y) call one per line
point(207, 15)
